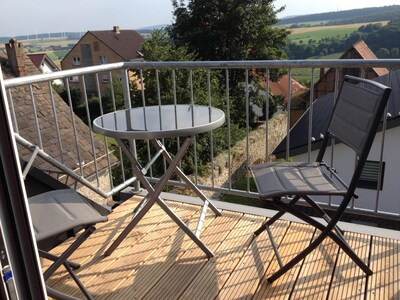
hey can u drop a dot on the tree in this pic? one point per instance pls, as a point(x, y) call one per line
point(222, 30)
point(225, 30)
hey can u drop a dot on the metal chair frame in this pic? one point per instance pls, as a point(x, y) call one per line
point(333, 133)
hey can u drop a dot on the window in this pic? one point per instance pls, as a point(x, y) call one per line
point(370, 175)
point(105, 78)
point(76, 61)
point(103, 59)
point(74, 79)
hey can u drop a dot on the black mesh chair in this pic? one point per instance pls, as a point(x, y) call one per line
point(354, 122)
point(55, 213)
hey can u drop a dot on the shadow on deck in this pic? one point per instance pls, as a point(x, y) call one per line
point(158, 261)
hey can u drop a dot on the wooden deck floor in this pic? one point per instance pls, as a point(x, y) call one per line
point(158, 261)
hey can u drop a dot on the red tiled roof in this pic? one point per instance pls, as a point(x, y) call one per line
point(364, 52)
point(125, 43)
point(36, 58)
point(282, 88)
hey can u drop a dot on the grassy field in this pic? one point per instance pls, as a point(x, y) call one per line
point(304, 74)
point(319, 32)
point(45, 45)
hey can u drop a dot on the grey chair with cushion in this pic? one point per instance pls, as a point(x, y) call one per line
point(55, 213)
point(354, 122)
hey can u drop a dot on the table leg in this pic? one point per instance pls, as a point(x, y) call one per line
point(207, 203)
point(153, 196)
point(159, 146)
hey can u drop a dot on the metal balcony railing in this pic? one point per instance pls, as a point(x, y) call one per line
point(156, 83)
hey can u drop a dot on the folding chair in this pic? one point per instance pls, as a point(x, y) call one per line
point(58, 212)
point(354, 122)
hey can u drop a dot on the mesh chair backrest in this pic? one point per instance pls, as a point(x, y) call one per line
point(357, 112)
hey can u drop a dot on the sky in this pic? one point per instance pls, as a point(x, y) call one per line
point(30, 17)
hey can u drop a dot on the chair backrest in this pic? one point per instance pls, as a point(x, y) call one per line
point(356, 116)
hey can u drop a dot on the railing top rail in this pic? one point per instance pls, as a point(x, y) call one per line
point(315, 63)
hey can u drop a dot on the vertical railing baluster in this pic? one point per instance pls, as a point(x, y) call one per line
point(211, 133)
point(246, 76)
point(90, 130)
point(267, 95)
point(39, 136)
point(12, 108)
point(53, 106)
point(384, 127)
point(335, 95)
point(228, 117)
point(128, 105)
point(178, 142)
point(71, 109)
point(194, 137)
point(160, 112)
point(289, 100)
point(144, 118)
point(310, 115)
point(105, 137)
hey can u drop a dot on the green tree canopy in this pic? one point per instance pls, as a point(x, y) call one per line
point(229, 29)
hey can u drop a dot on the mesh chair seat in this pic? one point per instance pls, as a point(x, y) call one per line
point(55, 213)
point(58, 211)
point(293, 178)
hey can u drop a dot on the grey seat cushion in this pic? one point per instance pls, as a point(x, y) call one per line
point(294, 178)
point(58, 211)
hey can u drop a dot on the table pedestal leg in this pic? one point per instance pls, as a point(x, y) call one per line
point(153, 196)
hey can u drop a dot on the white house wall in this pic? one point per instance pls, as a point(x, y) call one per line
point(344, 161)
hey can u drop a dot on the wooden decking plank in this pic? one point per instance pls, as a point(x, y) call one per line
point(349, 280)
point(143, 278)
point(316, 273)
point(247, 275)
point(296, 239)
point(138, 251)
point(385, 262)
point(180, 275)
point(95, 262)
point(166, 264)
point(212, 277)
point(159, 247)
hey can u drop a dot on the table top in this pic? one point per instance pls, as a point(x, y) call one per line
point(156, 122)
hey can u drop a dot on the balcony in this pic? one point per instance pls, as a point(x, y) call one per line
point(157, 257)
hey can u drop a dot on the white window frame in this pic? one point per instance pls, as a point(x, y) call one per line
point(76, 61)
point(103, 59)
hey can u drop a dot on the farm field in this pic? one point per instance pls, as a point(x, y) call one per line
point(55, 48)
point(319, 32)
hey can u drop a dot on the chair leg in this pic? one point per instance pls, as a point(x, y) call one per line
point(62, 260)
point(78, 282)
point(52, 257)
point(275, 217)
point(326, 231)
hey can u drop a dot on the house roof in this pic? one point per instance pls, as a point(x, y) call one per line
point(125, 43)
point(36, 58)
point(365, 52)
point(282, 88)
point(26, 125)
point(39, 58)
point(322, 110)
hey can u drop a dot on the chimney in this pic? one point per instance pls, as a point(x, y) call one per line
point(16, 57)
point(116, 29)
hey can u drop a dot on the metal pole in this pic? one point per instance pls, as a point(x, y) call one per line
point(14, 214)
